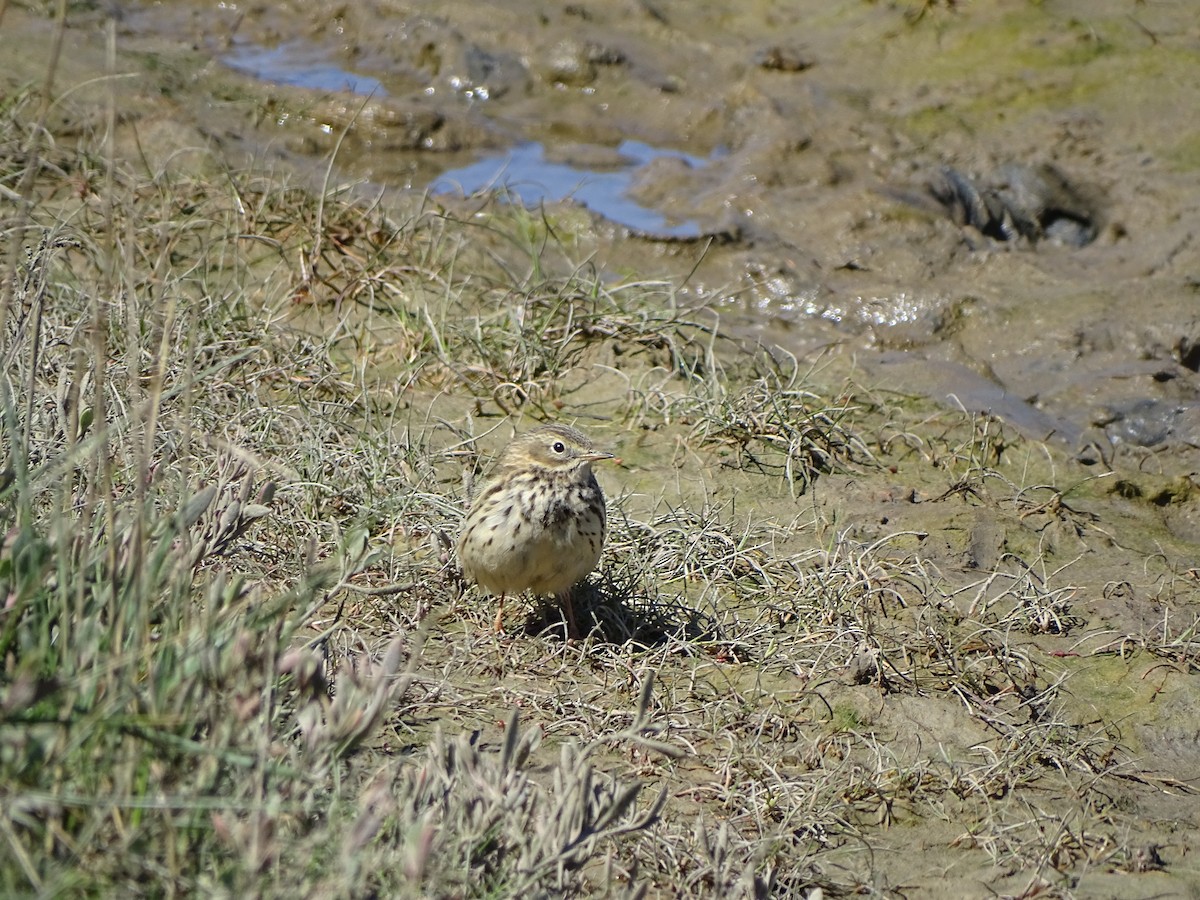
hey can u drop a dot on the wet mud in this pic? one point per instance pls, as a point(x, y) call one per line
point(782, 146)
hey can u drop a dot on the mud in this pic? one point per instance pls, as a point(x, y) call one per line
point(780, 142)
point(804, 127)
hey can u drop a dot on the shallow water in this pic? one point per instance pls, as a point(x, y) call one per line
point(299, 64)
point(522, 172)
point(526, 174)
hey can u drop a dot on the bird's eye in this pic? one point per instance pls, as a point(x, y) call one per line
point(559, 447)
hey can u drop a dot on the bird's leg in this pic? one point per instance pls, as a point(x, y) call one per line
point(569, 609)
point(498, 625)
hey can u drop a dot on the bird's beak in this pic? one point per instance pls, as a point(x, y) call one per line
point(597, 455)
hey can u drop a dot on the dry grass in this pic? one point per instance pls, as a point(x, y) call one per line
point(239, 422)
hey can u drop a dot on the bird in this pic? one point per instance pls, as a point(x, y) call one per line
point(540, 522)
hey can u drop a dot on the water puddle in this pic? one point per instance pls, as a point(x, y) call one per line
point(523, 171)
point(526, 174)
point(300, 65)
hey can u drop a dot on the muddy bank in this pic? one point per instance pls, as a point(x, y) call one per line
point(790, 136)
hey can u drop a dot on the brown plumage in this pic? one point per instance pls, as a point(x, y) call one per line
point(539, 524)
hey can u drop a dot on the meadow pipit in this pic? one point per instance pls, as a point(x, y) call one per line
point(539, 523)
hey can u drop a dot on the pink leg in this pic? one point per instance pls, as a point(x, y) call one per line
point(572, 628)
